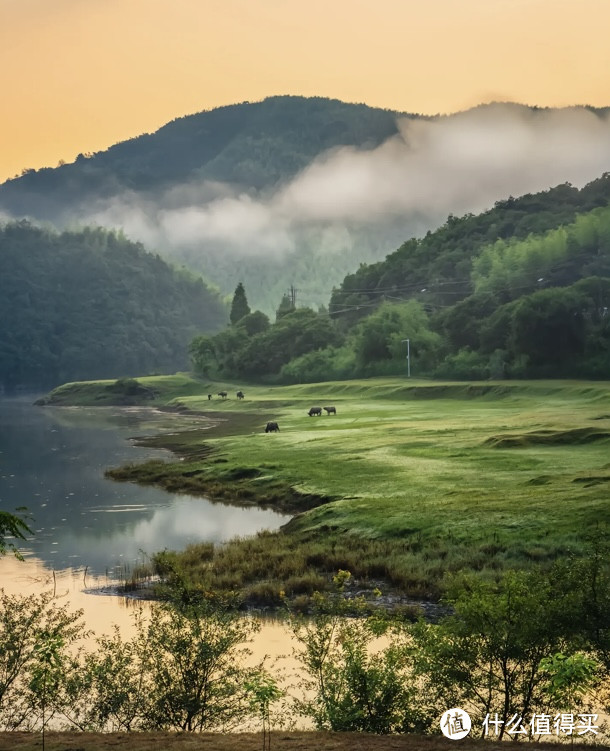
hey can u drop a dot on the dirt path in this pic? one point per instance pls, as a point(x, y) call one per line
point(280, 741)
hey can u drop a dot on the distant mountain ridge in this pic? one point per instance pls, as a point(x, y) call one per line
point(300, 191)
point(254, 145)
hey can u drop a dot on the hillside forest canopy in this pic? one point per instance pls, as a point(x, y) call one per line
point(91, 304)
point(521, 291)
point(239, 153)
point(300, 190)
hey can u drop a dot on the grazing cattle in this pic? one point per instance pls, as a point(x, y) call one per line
point(331, 410)
point(315, 411)
point(209, 397)
point(223, 394)
point(272, 427)
point(240, 394)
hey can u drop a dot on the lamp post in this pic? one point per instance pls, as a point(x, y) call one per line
point(408, 357)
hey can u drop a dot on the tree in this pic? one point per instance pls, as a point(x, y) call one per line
point(239, 306)
point(12, 526)
point(255, 323)
point(569, 677)
point(286, 306)
point(91, 304)
point(203, 355)
point(352, 684)
point(549, 327)
point(35, 637)
point(111, 689)
point(263, 691)
point(495, 652)
point(47, 671)
point(380, 337)
point(294, 334)
point(194, 659)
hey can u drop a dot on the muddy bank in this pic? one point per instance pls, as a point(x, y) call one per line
point(281, 741)
point(203, 470)
point(237, 486)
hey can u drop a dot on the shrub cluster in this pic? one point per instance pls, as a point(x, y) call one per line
point(530, 644)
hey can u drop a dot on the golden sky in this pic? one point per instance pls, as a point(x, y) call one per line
point(80, 75)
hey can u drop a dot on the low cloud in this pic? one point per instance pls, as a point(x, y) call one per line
point(453, 165)
point(433, 167)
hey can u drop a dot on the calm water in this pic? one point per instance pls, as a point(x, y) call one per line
point(52, 461)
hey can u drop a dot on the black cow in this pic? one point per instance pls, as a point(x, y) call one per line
point(223, 394)
point(315, 411)
point(209, 397)
point(240, 394)
point(272, 427)
point(330, 410)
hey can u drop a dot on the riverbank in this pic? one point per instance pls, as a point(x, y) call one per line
point(407, 484)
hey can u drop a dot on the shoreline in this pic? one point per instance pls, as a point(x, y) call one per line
point(404, 484)
point(244, 489)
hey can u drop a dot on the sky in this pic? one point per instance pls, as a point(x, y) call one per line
point(81, 75)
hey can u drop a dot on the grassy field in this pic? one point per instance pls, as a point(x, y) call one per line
point(408, 482)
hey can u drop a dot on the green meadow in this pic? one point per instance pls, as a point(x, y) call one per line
point(409, 482)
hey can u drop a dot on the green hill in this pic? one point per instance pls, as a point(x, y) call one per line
point(255, 145)
point(520, 291)
point(437, 269)
point(295, 191)
point(91, 304)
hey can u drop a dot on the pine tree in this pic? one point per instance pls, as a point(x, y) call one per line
point(239, 306)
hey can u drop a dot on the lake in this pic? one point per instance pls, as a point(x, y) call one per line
point(88, 528)
point(52, 461)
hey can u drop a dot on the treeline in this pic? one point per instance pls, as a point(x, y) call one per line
point(525, 306)
point(90, 304)
point(526, 655)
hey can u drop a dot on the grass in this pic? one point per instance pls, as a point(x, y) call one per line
point(102, 393)
point(408, 483)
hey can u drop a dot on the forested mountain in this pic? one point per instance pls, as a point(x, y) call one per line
point(437, 269)
point(522, 290)
point(255, 145)
point(91, 304)
point(299, 191)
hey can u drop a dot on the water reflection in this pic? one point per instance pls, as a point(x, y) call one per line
point(180, 521)
point(101, 613)
point(53, 462)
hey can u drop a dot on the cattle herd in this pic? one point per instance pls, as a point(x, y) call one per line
point(273, 427)
point(318, 411)
point(224, 394)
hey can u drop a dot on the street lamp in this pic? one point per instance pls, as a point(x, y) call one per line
point(408, 357)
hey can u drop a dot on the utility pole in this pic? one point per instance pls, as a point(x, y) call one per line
point(408, 356)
